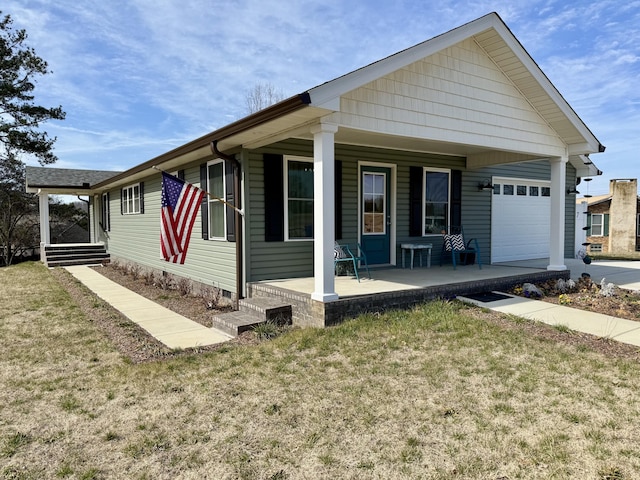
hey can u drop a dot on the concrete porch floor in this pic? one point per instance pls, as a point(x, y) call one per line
point(622, 273)
point(396, 279)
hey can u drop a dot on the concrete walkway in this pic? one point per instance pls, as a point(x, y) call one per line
point(170, 328)
point(624, 274)
point(606, 326)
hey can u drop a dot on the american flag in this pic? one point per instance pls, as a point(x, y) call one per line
point(180, 203)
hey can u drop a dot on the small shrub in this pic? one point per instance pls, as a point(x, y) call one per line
point(134, 270)
point(184, 285)
point(149, 277)
point(164, 282)
point(211, 297)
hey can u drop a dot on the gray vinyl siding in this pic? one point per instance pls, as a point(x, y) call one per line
point(288, 259)
point(272, 260)
point(137, 238)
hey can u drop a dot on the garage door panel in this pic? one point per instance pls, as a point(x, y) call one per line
point(519, 223)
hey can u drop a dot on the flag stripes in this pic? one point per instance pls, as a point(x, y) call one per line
point(180, 203)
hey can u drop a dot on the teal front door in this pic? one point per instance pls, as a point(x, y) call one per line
point(375, 214)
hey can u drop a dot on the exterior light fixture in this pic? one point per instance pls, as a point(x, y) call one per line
point(572, 191)
point(485, 185)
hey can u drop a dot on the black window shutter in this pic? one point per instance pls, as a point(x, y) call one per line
point(122, 201)
point(456, 197)
point(231, 199)
point(141, 197)
point(416, 179)
point(181, 174)
point(204, 206)
point(338, 199)
point(605, 226)
point(273, 198)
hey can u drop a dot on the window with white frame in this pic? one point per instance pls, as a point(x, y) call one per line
point(216, 188)
point(436, 200)
point(597, 224)
point(105, 217)
point(298, 190)
point(131, 199)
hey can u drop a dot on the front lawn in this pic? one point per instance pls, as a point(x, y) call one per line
point(442, 391)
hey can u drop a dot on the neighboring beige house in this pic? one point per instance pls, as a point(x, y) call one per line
point(612, 219)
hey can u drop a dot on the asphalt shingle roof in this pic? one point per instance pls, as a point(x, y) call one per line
point(45, 177)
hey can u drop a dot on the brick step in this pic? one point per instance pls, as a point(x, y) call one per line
point(234, 323)
point(253, 312)
point(267, 308)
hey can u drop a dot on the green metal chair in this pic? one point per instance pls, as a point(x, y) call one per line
point(342, 253)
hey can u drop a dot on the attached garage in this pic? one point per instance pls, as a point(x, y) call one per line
point(520, 226)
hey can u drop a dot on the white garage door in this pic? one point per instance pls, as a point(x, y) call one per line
point(520, 212)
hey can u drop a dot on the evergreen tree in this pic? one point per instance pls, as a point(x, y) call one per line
point(20, 120)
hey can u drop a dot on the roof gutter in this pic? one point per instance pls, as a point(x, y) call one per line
point(265, 115)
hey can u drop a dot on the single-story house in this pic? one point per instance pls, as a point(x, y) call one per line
point(462, 129)
point(612, 221)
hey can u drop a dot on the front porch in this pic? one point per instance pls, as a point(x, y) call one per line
point(398, 288)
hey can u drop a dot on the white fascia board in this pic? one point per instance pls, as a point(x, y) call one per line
point(584, 166)
point(328, 94)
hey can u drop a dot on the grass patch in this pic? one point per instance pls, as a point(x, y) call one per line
point(440, 391)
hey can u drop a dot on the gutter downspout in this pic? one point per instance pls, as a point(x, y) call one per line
point(238, 218)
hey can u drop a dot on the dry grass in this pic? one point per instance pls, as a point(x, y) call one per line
point(437, 392)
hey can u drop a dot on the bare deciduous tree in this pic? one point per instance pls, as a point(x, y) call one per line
point(261, 96)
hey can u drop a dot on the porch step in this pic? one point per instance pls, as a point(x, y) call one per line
point(75, 254)
point(271, 309)
point(253, 312)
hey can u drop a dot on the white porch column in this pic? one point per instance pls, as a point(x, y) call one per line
point(323, 211)
point(558, 196)
point(43, 207)
point(94, 214)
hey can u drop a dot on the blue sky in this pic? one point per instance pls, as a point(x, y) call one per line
point(140, 77)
